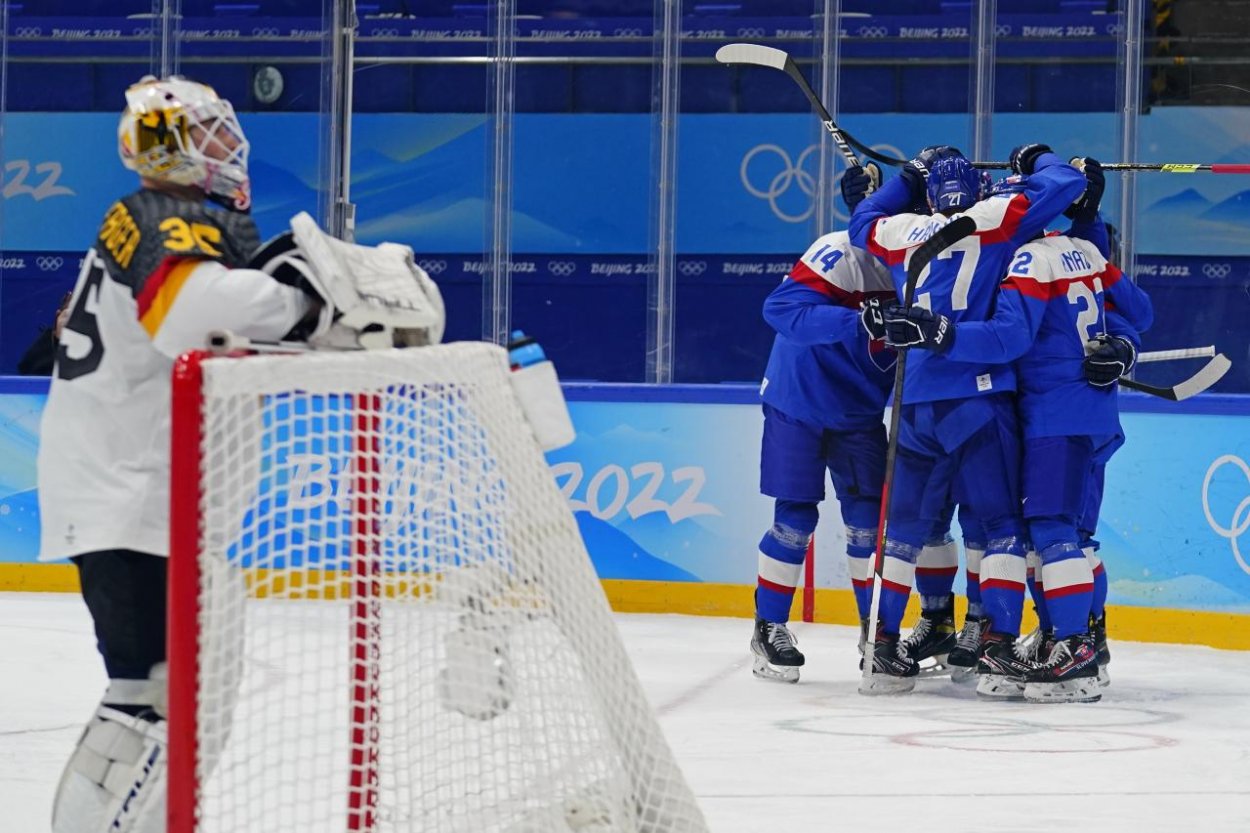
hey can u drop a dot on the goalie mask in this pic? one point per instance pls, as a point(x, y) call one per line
point(179, 131)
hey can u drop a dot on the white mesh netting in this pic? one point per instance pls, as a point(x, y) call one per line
point(400, 629)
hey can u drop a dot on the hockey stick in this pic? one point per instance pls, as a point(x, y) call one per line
point(767, 56)
point(947, 236)
point(1211, 373)
point(1171, 355)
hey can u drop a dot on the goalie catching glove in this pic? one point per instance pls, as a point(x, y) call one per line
point(371, 296)
point(918, 327)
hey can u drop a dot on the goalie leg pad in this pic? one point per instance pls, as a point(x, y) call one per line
point(115, 779)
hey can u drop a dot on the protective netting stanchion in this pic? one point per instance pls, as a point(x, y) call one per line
point(396, 625)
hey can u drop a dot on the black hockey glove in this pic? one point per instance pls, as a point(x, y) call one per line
point(1108, 358)
point(1085, 209)
point(1024, 157)
point(918, 327)
point(872, 316)
point(280, 258)
point(858, 183)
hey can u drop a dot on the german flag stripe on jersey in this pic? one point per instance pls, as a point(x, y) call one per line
point(160, 290)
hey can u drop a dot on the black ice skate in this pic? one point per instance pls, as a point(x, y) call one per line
point(932, 640)
point(893, 670)
point(1098, 627)
point(1037, 645)
point(1069, 674)
point(863, 636)
point(776, 657)
point(962, 659)
point(1001, 668)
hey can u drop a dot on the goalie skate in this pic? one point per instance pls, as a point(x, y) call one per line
point(776, 657)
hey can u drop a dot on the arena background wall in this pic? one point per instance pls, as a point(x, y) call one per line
point(663, 481)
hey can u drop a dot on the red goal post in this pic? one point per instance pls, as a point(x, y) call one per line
point(382, 616)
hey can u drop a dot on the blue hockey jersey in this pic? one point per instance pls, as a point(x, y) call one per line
point(962, 282)
point(823, 370)
point(1058, 294)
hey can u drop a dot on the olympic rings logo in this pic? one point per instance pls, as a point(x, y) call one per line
point(692, 268)
point(561, 268)
point(265, 32)
point(1002, 30)
point(27, 32)
point(433, 267)
point(1217, 270)
point(1115, 29)
point(791, 173)
point(751, 32)
point(872, 31)
point(1240, 521)
point(49, 264)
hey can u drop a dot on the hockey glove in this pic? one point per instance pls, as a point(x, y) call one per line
point(918, 327)
point(1024, 157)
point(1085, 209)
point(872, 316)
point(858, 183)
point(1107, 358)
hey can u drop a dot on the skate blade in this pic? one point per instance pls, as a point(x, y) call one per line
point(1083, 690)
point(884, 685)
point(935, 666)
point(1104, 676)
point(765, 670)
point(964, 674)
point(999, 687)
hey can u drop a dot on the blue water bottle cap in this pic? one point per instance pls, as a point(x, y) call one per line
point(524, 351)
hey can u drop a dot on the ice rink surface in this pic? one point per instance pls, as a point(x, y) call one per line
point(1167, 749)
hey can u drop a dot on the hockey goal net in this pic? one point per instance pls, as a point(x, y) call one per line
point(382, 614)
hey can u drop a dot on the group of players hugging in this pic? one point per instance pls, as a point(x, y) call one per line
point(1008, 416)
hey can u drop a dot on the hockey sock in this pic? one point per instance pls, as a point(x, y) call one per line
point(936, 568)
point(974, 551)
point(897, 573)
point(860, 516)
point(782, 550)
point(1033, 564)
point(1002, 583)
point(860, 543)
point(1098, 600)
point(1069, 588)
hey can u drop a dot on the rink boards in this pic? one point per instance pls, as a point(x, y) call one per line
point(663, 482)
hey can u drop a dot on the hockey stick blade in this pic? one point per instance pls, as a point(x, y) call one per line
point(943, 239)
point(1194, 385)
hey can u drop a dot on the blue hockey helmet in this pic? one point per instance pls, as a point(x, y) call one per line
point(954, 185)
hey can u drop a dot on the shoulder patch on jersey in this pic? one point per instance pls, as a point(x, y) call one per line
point(143, 230)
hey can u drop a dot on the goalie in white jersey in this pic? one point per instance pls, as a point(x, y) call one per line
point(164, 271)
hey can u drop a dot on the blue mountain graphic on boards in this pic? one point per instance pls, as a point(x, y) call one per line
point(616, 555)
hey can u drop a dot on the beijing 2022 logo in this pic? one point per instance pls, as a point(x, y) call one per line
point(1240, 520)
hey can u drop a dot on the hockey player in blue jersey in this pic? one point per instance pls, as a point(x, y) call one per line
point(958, 439)
point(1051, 316)
point(824, 394)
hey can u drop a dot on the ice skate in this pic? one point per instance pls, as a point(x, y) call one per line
point(893, 670)
point(1001, 668)
point(931, 641)
point(863, 636)
point(962, 659)
point(1098, 627)
point(1037, 644)
point(1069, 674)
point(776, 657)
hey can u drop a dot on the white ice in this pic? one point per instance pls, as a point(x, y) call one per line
point(1167, 749)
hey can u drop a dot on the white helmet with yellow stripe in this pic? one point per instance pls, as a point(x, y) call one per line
point(180, 132)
